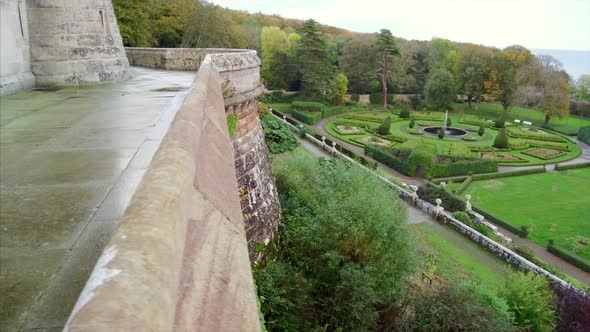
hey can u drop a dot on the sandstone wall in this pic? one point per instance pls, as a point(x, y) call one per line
point(15, 62)
point(239, 71)
point(188, 59)
point(178, 260)
point(75, 42)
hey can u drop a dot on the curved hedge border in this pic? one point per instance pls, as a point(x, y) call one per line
point(307, 117)
point(464, 185)
point(559, 167)
point(569, 256)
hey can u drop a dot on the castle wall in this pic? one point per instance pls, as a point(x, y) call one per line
point(75, 42)
point(15, 63)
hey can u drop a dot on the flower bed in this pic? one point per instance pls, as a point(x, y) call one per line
point(544, 153)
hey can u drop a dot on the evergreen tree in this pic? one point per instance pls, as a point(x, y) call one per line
point(384, 128)
point(386, 48)
point(316, 61)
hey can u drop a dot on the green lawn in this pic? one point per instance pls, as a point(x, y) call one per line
point(556, 205)
point(456, 263)
point(568, 125)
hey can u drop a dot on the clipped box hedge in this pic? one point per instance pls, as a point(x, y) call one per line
point(520, 231)
point(308, 106)
point(560, 167)
point(584, 134)
point(475, 166)
point(464, 185)
point(307, 117)
point(540, 136)
point(386, 158)
point(569, 256)
point(334, 111)
point(487, 176)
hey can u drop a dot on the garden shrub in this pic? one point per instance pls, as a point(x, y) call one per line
point(344, 240)
point(500, 122)
point(483, 229)
point(329, 111)
point(584, 134)
point(573, 310)
point(458, 308)
point(277, 136)
point(441, 134)
point(307, 117)
point(456, 166)
point(464, 184)
point(232, 122)
point(569, 256)
point(404, 113)
point(278, 97)
point(531, 301)
point(308, 106)
point(464, 218)
point(501, 141)
point(412, 123)
point(449, 121)
point(385, 126)
point(487, 176)
point(450, 202)
point(481, 131)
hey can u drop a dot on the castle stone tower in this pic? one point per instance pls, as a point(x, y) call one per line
point(61, 42)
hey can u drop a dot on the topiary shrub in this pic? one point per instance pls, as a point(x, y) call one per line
point(449, 121)
point(385, 126)
point(499, 122)
point(404, 113)
point(441, 133)
point(481, 131)
point(501, 141)
point(412, 123)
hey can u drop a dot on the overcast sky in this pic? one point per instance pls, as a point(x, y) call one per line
point(548, 24)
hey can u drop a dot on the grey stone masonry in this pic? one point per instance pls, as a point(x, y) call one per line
point(75, 42)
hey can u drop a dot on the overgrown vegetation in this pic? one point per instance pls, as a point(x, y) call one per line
point(278, 137)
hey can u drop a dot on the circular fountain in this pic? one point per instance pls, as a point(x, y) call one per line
point(449, 131)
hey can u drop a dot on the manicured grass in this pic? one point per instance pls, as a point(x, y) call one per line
point(568, 125)
point(556, 205)
point(456, 263)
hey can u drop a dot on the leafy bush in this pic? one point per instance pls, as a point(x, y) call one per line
point(307, 117)
point(449, 201)
point(308, 106)
point(531, 301)
point(584, 134)
point(277, 97)
point(404, 113)
point(384, 128)
point(573, 310)
point(263, 109)
point(345, 245)
point(501, 141)
point(441, 134)
point(232, 122)
point(481, 131)
point(278, 137)
point(460, 308)
point(500, 122)
point(569, 256)
point(412, 123)
point(454, 167)
point(449, 121)
point(464, 218)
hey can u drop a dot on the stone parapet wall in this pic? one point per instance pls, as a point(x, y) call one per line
point(188, 59)
point(179, 260)
point(75, 42)
point(239, 71)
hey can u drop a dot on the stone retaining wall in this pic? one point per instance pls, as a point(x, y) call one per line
point(179, 260)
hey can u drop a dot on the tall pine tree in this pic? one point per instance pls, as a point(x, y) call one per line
point(316, 61)
point(386, 48)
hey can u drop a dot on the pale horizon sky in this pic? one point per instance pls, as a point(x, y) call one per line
point(541, 24)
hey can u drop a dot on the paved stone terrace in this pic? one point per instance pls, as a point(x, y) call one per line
point(70, 161)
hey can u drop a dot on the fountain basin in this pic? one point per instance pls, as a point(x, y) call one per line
point(449, 131)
